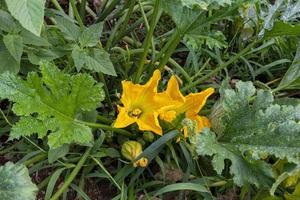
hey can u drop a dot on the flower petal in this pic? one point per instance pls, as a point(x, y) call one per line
point(130, 92)
point(173, 90)
point(153, 82)
point(202, 122)
point(123, 120)
point(195, 101)
point(149, 122)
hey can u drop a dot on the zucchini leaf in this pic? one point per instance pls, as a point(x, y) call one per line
point(15, 183)
point(52, 103)
point(251, 126)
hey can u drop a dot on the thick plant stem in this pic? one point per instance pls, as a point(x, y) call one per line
point(82, 9)
point(171, 61)
point(57, 6)
point(104, 119)
point(172, 46)
point(221, 67)
point(147, 41)
point(107, 10)
point(105, 127)
point(72, 175)
point(35, 159)
point(113, 33)
point(76, 13)
point(125, 22)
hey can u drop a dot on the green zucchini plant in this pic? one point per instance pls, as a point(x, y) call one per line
point(149, 99)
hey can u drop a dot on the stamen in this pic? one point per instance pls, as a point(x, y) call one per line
point(135, 113)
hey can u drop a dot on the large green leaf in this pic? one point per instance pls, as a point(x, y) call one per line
point(96, 60)
point(39, 54)
point(15, 183)
point(283, 29)
point(30, 13)
point(31, 39)
point(204, 4)
point(52, 103)
point(190, 19)
point(8, 63)
point(14, 44)
point(260, 127)
point(248, 123)
point(91, 35)
point(183, 16)
point(70, 30)
point(7, 23)
point(245, 170)
point(291, 79)
point(212, 40)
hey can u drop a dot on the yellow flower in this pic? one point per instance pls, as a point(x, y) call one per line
point(190, 105)
point(131, 150)
point(141, 105)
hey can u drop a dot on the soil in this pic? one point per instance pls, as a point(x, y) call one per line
point(96, 190)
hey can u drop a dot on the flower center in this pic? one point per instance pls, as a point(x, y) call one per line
point(135, 113)
point(168, 116)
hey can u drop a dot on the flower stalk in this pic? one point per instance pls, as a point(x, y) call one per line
point(147, 43)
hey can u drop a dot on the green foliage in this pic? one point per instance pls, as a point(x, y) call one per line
point(30, 13)
point(192, 20)
point(83, 53)
point(245, 170)
point(211, 40)
point(70, 30)
point(205, 4)
point(52, 103)
point(270, 128)
point(14, 45)
point(256, 129)
point(283, 29)
point(291, 79)
point(7, 23)
point(8, 62)
point(15, 183)
point(294, 195)
point(208, 42)
point(94, 59)
point(90, 35)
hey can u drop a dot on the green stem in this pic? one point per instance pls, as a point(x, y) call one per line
point(57, 6)
point(144, 15)
point(104, 119)
point(166, 46)
point(73, 174)
point(8, 149)
point(82, 9)
point(108, 10)
point(107, 96)
point(44, 183)
point(170, 50)
point(179, 68)
point(170, 60)
point(107, 173)
point(76, 13)
point(221, 67)
point(147, 42)
point(35, 159)
point(113, 33)
point(105, 127)
point(125, 22)
point(137, 23)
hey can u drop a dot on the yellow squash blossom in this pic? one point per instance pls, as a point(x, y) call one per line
point(190, 105)
point(141, 105)
point(131, 150)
